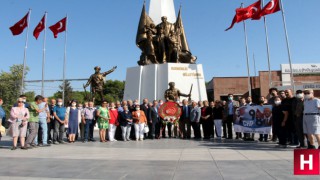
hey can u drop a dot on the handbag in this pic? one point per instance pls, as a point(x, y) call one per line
point(146, 129)
point(2, 129)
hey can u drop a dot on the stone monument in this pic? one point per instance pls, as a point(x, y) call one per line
point(165, 56)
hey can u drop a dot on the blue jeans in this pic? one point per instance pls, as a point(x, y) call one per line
point(44, 127)
point(88, 129)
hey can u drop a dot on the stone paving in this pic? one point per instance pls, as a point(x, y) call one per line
point(149, 159)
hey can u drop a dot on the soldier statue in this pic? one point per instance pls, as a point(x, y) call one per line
point(96, 81)
point(173, 94)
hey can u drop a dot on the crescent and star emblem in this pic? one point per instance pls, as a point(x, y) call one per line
point(272, 5)
point(61, 26)
point(24, 22)
point(40, 25)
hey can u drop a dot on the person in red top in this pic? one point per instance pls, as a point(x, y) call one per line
point(113, 123)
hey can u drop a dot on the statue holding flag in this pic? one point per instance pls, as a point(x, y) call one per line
point(164, 43)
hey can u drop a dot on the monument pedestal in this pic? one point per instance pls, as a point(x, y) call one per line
point(151, 81)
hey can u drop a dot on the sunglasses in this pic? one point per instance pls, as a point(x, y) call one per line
point(20, 101)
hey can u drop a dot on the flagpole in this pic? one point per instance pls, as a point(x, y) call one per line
point(64, 60)
point(247, 54)
point(268, 49)
point(44, 53)
point(254, 65)
point(25, 55)
point(288, 47)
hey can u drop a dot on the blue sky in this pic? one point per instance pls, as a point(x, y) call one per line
point(102, 32)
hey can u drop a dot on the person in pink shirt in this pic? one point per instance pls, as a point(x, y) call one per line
point(19, 119)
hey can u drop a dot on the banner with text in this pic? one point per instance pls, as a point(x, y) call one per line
point(253, 119)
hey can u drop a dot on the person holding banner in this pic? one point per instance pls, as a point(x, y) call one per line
point(280, 116)
point(230, 109)
point(263, 137)
point(247, 136)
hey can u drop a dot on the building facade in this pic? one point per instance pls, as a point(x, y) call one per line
point(305, 76)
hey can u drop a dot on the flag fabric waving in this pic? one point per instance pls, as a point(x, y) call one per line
point(18, 28)
point(251, 11)
point(272, 7)
point(40, 27)
point(245, 13)
point(59, 27)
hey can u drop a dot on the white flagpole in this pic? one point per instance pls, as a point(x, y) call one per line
point(25, 54)
point(254, 66)
point(44, 52)
point(267, 43)
point(64, 60)
point(247, 54)
point(288, 47)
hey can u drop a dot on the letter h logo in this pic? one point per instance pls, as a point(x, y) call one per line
point(306, 162)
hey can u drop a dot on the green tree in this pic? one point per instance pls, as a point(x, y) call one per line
point(67, 93)
point(114, 90)
point(10, 84)
point(30, 95)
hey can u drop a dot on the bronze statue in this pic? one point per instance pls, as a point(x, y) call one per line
point(163, 43)
point(96, 81)
point(173, 94)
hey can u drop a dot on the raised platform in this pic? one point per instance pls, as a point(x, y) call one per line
point(151, 81)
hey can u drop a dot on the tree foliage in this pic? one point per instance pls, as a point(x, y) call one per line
point(114, 90)
point(10, 84)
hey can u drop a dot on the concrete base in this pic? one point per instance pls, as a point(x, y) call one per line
point(151, 81)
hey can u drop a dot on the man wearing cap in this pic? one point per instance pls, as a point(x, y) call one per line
point(96, 81)
point(311, 117)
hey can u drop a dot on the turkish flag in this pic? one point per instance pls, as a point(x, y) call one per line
point(272, 7)
point(59, 27)
point(40, 27)
point(251, 11)
point(18, 28)
point(246, 13)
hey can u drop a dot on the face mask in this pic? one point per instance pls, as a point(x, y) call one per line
point(230, 98)
point(160, 103)
point(79, 107)
point(277, 102)
point(24, 100)
point(307, 96)
point(73, 104)
point(300, 96)
point(137, 109)
point(60, 103)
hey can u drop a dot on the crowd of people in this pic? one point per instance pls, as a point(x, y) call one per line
point(295, 120)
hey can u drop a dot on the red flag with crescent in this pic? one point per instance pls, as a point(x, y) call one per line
point(59, 27)
point(245, 13)
point(18, 28)
point(272, 7)
point(40, 27)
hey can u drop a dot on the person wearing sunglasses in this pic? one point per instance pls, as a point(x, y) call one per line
point(19, 119)
point(311, 118)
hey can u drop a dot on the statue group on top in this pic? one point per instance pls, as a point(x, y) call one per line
point(162, 43)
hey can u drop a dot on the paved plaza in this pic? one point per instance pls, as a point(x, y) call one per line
point(151, 159)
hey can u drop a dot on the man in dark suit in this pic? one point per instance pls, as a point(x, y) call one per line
point(185, 120)
point(154, 120)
